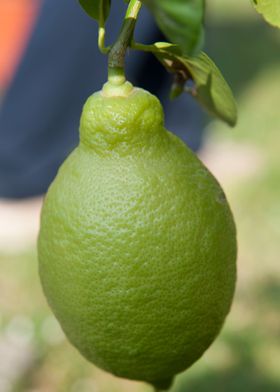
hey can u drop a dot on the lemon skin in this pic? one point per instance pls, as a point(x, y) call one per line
point(137, 245)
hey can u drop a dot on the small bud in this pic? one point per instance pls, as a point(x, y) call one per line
point(176, 90)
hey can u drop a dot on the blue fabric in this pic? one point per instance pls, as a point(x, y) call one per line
point(61, 67)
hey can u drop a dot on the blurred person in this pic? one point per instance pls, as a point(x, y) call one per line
point(60, 67)
point(16, 20)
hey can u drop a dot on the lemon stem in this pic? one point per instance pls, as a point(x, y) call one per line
point(102, 32)
point(143, 48)
point(116, 60)
point(101, 40)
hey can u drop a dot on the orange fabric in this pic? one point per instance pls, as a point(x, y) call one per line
point(16, 21)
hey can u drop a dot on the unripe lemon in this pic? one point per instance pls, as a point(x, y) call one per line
point(137, 245)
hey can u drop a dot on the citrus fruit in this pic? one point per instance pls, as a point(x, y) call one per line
point(137, 245)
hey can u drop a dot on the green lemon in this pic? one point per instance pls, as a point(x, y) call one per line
point(137, 245)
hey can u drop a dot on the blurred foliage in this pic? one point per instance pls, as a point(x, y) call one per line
point(246, 356)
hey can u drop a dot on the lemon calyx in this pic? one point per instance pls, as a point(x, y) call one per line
point(117, 88)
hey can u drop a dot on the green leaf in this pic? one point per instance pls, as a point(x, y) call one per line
point(97, 9)
point(270, 9)
point(181, 21)
point(209, 86)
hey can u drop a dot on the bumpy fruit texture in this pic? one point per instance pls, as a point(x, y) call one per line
point(137, 245)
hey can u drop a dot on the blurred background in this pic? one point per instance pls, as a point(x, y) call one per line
point(34, 354)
